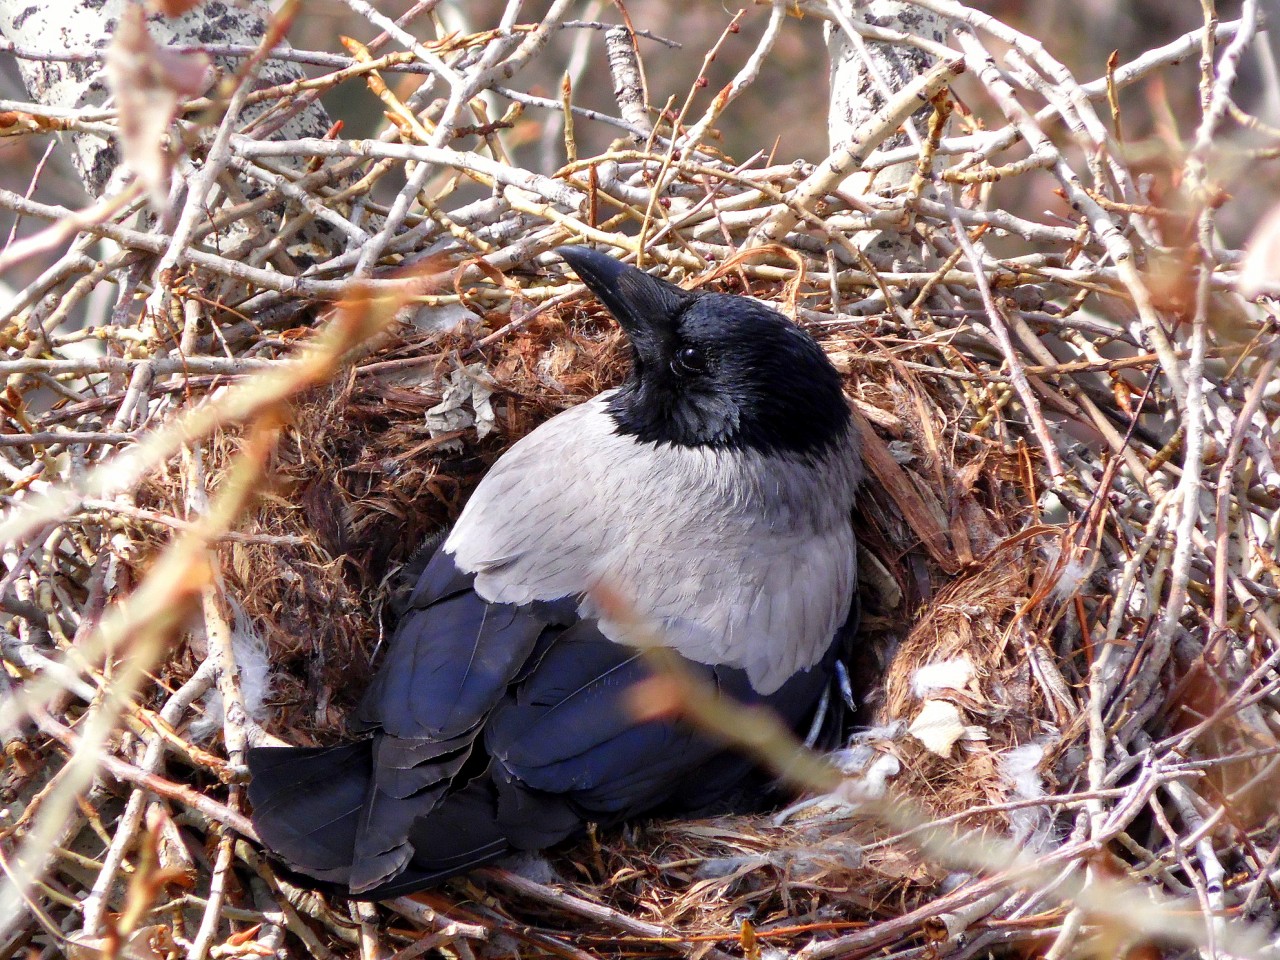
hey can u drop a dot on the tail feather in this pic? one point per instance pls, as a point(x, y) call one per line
point(462, 832)
point(310, 807)
point(307, 802)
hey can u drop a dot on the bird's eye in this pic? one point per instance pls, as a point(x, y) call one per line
point(689, 360)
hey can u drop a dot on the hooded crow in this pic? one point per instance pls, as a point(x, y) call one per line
point(713, 491)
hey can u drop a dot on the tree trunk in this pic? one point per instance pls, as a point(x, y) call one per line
point(61, 44)
point(864, 74)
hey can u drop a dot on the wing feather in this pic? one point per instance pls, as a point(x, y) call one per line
point(570, 731)
point(450, 659)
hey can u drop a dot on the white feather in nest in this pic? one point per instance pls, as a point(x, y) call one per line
point(254, 668)
point(1019, 768)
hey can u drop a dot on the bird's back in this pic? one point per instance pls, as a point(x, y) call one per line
point(741, 559)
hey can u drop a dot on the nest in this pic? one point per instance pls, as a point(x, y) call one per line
point(1066, 683)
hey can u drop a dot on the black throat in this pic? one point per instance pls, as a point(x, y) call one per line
point(771, 416)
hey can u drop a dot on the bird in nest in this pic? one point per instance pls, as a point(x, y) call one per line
point(712, 490)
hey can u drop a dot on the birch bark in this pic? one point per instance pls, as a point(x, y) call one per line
point(864, 74)
point(60, 46)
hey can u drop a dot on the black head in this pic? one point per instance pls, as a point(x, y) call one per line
point(713, 369)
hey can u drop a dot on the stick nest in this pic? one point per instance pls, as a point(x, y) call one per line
point(1067, 531)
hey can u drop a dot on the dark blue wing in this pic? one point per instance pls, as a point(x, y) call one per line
point(493, 727)
point(567, 736)
point(450, 658)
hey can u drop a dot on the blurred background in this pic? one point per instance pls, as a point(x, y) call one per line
point(786, 109)
point(783, 114)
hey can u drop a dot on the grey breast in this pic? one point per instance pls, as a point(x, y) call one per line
point(737, 557)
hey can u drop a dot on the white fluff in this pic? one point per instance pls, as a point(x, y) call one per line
point(532, 865)
point(953, 674)
point(1073, 572)
point(868, 772)
point(254, 667)
point(938, 726)
point(1032, 826)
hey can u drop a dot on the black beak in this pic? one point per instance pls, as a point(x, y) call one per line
point(645, 306)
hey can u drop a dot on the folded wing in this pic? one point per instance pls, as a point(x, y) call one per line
point(491, 729)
